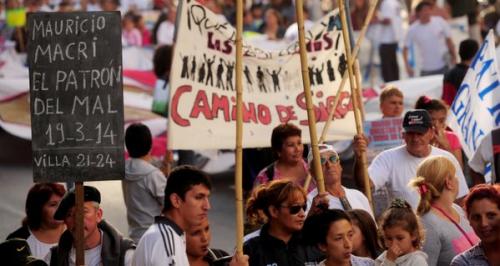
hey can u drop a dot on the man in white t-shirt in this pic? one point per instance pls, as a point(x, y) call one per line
point(186, 204)
point(339, 197)
point(389, 18)
point(292, 32)
point(394, 168)
point(104, 245)
point(432, 36)
point(166, 31)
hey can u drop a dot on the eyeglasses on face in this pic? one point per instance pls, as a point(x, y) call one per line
point(332, 159)
point(294, 209)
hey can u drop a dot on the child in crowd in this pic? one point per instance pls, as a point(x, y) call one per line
point(198, 247)
point(391, 102)
point(332, 232)
point(130, 34)
point(402, 236)
point(365, 238)
point(141, 26)
point(144, 184)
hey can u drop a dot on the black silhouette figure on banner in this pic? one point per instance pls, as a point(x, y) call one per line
point(330, 70)
point(193, 68)
point(276, 80)
point(342, 65)
point(201, 73)
point(319, 76)
point(209, 69)
point(260, 79)
point(220, 71)
point(311, 75)
point(248, 77)
point(229, 75)
point(184, 72)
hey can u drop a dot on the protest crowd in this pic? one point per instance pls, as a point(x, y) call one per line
point(436, 196)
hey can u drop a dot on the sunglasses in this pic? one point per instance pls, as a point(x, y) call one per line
point(294, 209)
point(332, 159)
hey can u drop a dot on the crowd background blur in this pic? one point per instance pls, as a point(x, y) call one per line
point(267, 23)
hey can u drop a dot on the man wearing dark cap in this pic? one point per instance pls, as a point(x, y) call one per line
point(394, 168)
point(104, 245)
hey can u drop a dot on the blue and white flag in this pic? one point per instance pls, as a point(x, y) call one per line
point(476, 108)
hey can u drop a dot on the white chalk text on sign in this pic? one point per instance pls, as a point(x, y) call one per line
point(76, 96)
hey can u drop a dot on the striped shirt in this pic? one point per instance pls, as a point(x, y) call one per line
point(163, 243)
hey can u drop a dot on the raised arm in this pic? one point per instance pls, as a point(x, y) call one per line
point(360, 146)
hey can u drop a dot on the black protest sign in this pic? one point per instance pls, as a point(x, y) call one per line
point(76, 94)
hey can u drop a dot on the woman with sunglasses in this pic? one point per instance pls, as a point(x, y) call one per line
point(281, 204)
point(339, 197)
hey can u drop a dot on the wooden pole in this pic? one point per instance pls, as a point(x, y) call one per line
point(354, 98)
point(79, 239)
point(20, 37)
point(355, 52)
point(239, 128)
point(307, 93)
point(359, 90)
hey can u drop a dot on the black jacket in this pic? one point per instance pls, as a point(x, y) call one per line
point(22, 232)
point(268, 250)
point(217, 257)
point(114, 247)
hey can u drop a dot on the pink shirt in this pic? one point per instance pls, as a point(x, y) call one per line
point(262, 177)
point(453, 140)
point(132, 37)
point(146, 37)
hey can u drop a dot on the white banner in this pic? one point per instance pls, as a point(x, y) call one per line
point(202, 101)
point(476, 108)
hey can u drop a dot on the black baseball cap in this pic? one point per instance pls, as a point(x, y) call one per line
point(68, 201)
point(417, 120)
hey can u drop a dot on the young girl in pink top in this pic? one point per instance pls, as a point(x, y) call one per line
point(130, 34)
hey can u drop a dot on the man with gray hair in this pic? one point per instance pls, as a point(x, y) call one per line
point(104, 245)
point(337, 196)
point(395, 167)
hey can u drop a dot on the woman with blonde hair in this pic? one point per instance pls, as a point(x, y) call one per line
point(281, 205)
point(448, 232)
